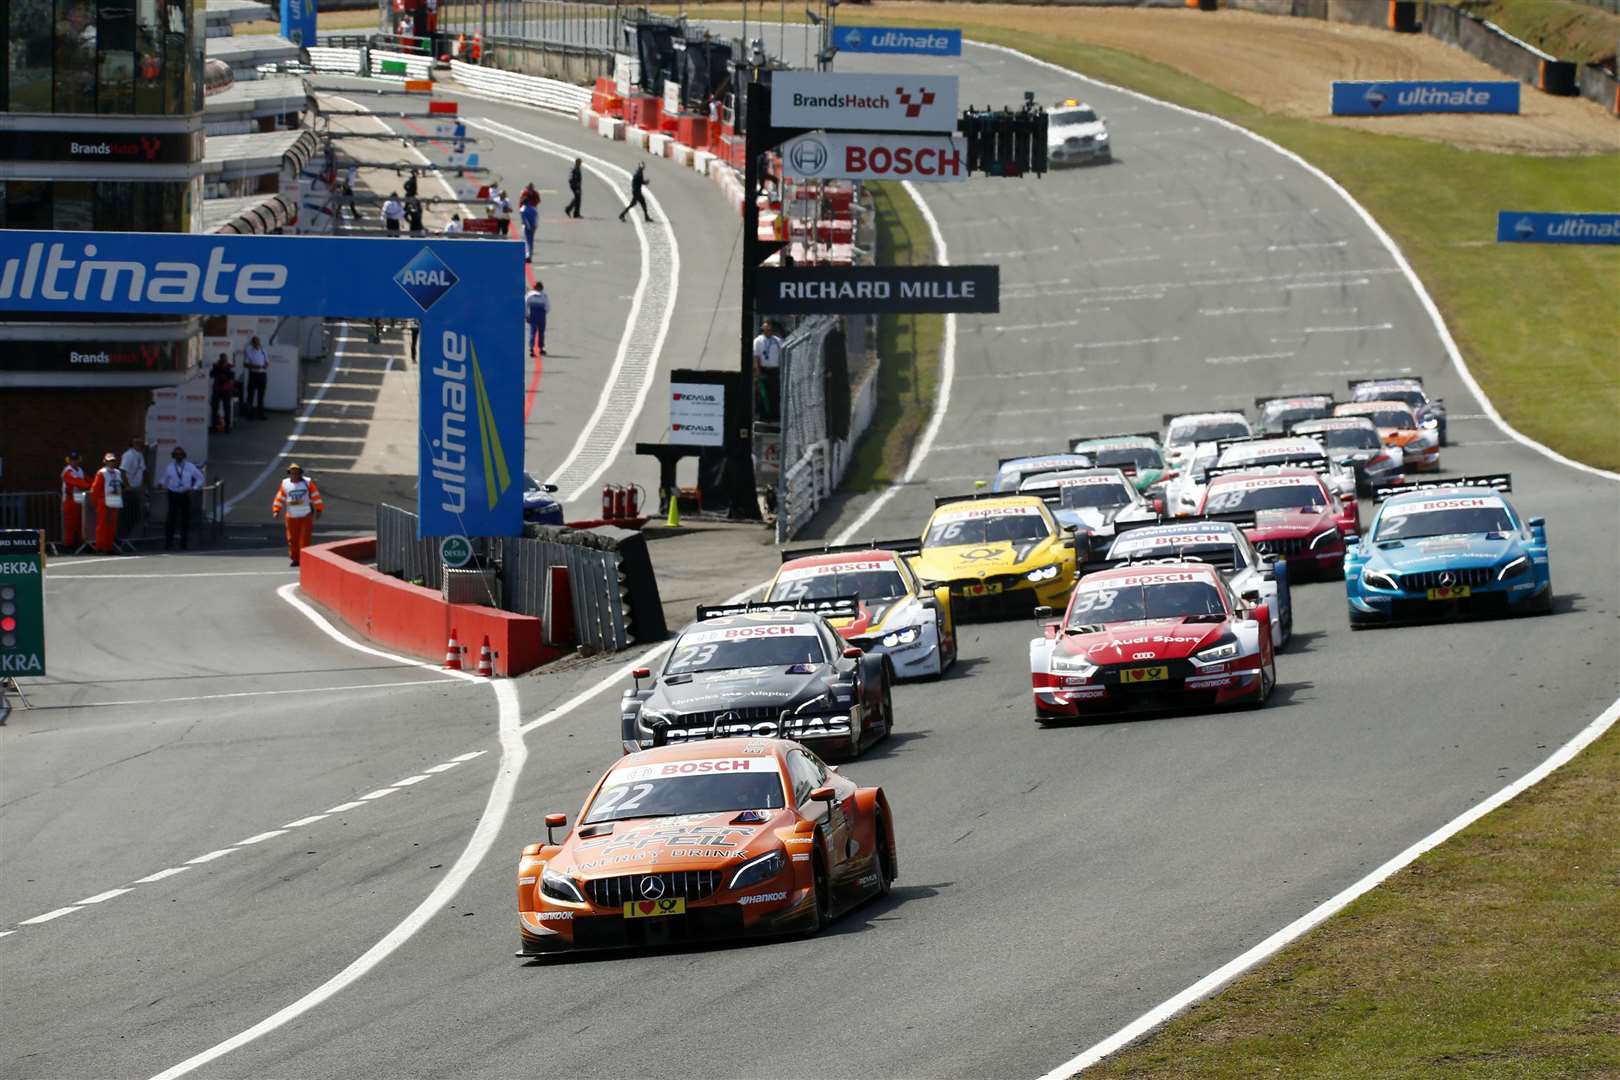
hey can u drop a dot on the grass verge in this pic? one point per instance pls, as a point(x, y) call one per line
point(1537, 324)
point(1493, 955)
point(908, 345)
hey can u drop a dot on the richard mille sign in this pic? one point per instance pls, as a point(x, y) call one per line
point(852, 290)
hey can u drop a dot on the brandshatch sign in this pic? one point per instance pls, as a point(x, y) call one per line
point(855, 290)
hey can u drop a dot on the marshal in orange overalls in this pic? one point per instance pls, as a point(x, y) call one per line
point(301, 499)
point(74, 486)
point(107, 492)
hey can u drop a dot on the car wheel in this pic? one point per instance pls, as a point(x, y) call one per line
point(888, 708)
point(885, 859)
point(823, 893)
point(1268, 683)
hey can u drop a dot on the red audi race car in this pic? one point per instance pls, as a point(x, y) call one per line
point(1296, 517)
point(721, 839)
point(1152, 636)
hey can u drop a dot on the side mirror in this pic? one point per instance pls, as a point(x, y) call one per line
point(1158, 506)
point(1351, 540)
point(549, 488)
point(1042, 613)
point(1252, 596)
point(638, 674)
point(1537, 523)
point(554, 821)
point(1348, 498)
point(852, 653)
point(823, 794)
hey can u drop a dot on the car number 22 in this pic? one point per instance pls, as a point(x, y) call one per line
point(614, 799)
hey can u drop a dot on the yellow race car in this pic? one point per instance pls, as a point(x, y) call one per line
point(999, 555)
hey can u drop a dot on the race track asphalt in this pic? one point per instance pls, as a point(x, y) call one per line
point(1054, 883)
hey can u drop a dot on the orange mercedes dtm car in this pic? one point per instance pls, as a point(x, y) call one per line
point(701, 840)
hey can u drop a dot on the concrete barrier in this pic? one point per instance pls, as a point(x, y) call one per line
point(1501, 50)
point(1599, 85)
point(410, 618)
point(610, 127)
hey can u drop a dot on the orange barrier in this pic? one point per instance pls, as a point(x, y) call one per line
point(408, 617)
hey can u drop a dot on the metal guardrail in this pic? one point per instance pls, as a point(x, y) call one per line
point(542, 93)
point(43, 510)
point(612, 590)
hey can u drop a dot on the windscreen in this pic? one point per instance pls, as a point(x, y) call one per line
point(1109, 602)
point(1207, 431)
point(1215, 548)
point(1070, 116)
point(1478, 516)
point(1227, 498)
point(1094, 496)
point(642, 791)
point(1141, 458)
point(767, 645)
point(1413, 398)
point(873, 584)
point(1391, 418)
point(1356, 438)
point(987, 530)
point(1283, 416)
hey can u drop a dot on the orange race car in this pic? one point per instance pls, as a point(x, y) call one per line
point(700, 840)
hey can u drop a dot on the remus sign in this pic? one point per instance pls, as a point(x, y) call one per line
point(884, 290)
point(470, 434)
point(840, 101)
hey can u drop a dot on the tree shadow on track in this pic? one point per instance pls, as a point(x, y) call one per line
point(897, 743)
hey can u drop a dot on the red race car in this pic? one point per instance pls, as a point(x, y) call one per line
point(1295, 516)
point(718, 839)
point(1152, 636)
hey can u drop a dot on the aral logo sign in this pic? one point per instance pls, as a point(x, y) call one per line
point(834, 100)
point(851, 156)
point(425, 278)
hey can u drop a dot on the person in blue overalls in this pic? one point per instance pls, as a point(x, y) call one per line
point(538, 306)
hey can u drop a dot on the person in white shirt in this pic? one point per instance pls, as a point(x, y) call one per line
point(180, 478)
point(393, 213)
point(454, 227)
point(538, 307)
point(768, 371)
point(257, 362)
point(134, 465)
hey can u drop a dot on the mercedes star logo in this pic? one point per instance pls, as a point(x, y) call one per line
point(652, 887)
point(1448, 579)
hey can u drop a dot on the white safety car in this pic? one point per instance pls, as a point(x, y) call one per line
point(1075, 134)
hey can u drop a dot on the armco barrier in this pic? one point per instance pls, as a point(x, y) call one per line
point(1501, 50)
point(410, 618)
point(1599, 85)
point(546, 94)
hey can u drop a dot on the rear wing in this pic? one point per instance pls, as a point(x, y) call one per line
point(1221, 445)
point(1003, 462)
point(1495, 481)
point(1074, 442)
point(1097, 566)
point(1262, 402)
point(1243, 519)
point(1316, 463)
point(1223, 557)
point(832, 607)
point(1353, 383)
point(945, 500)
point(909, 546)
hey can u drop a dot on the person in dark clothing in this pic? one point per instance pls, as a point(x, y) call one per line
point(222, 388)
point(413, 215)
point(410, 185)
point(575, 184)
point(637, 198)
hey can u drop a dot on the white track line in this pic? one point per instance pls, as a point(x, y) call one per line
point(248, 694)
point(1215, 979)
point(611, 391)
point(942, 396)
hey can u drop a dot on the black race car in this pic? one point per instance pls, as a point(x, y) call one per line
point(774, 669)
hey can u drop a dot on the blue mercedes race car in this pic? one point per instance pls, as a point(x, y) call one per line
point(1440, 548)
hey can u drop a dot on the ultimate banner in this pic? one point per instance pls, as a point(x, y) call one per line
point(467, 294)
point(881, 290)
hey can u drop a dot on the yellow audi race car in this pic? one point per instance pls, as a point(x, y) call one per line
point(999, 555)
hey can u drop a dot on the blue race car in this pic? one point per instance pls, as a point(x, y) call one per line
point(539, 508)
point(1445, 547)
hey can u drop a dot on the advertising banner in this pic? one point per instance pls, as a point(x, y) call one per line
point(855, 156)
point(122, 147)
point(1388, 98)
point(857, 290)
point(840, 101)
point(898, 39)
point(697, 413)
point(298, 21)
point(467, 296)
point(1517, 227)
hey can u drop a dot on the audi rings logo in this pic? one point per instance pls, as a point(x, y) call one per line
point(1448, 579)
point(809, 157)
point(652, 887)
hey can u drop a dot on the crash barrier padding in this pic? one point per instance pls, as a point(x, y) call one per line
point(402, 66)
point(548, 94)
point(1599, 84)
point(611, 582)
point(1499, 49)
point(1528, 227)
point(336, 61)
point(408, 617)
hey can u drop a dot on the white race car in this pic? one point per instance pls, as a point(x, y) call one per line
point(1186, 489)
point(1353, 441)
point(1075, 134)
point(1287, 450)
point(1092, 501)
point(1183, 431)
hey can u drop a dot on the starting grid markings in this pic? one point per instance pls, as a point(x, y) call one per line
point(220, 853)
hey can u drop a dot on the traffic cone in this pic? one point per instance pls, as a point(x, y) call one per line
point(674, 518)
point(452, 653)
point(486, 660)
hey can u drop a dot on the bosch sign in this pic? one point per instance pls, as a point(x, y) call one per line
point(840, 156)
point(824, 99)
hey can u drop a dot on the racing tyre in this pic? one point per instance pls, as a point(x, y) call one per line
point(888, 707)
point(1268, 683)
point(885, 858)
point(823, 893)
